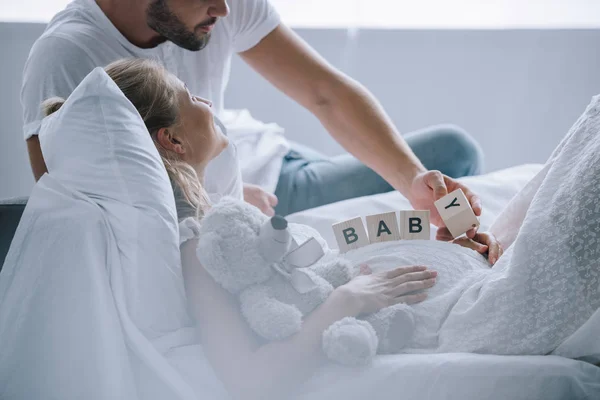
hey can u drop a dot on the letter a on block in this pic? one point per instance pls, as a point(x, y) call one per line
point(455, 210)
point(414, 225)
point(383, 227)
point(350, 234)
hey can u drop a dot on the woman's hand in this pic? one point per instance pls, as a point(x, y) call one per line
point(369, 292)
point(256, 196)
point(483, 243)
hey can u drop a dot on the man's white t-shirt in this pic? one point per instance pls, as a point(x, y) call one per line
point(81, 37)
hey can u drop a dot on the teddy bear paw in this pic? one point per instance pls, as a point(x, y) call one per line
point(350, 342)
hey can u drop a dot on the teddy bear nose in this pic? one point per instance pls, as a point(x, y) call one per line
point(274, 239)
point(279, 223)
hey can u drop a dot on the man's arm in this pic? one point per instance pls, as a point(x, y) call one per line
point(353, 117)
point(345, 108)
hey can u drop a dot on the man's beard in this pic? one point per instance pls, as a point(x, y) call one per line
point(162, 20)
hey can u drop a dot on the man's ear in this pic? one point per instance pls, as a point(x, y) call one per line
point(168, 141)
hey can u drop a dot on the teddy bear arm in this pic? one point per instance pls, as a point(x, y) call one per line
point(337, 272)
point(269, 317)
point(395, 327)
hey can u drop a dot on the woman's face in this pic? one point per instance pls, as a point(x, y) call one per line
point(200, 138)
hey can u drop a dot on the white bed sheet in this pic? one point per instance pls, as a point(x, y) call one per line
point(495, 190)
point(449, 376)
point(459, 377)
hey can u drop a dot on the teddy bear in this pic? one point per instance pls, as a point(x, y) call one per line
point(281, 272)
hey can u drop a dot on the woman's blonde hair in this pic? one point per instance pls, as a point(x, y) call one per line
point(149, 88)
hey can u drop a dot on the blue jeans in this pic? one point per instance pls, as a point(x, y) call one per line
point(309, 179)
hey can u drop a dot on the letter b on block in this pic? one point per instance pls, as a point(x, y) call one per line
point(414, 225)
point(350, 234)
point(383, 227)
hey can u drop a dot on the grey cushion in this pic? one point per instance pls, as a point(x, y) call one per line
point(10, 215)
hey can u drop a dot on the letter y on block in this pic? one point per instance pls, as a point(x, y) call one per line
point(455, 210)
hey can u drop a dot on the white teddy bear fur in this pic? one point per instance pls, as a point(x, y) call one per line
point(228, 249)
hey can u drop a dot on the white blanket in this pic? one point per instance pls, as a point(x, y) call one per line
point(545, 291)
point(59, 326)
point(458, 376)
point(78, 321)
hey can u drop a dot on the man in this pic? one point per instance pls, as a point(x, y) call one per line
point(195, 40)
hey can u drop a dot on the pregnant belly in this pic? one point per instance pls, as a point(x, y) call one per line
point(457, 268)
point(453, 262)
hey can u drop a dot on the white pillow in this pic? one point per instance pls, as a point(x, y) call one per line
point(97, 144)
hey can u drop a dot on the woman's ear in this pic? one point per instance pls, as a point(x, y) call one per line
point(168, 141)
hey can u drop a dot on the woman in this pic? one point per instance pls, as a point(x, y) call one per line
point(187, 138)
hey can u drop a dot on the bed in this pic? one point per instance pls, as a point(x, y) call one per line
point(109, 275)
point(436, 376)
point(449, 376)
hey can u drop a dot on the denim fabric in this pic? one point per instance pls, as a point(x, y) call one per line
point(309, 179)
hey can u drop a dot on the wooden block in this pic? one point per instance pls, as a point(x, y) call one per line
point(383, 227)
point(414, 225)
point(350, 234)
point(455, 210)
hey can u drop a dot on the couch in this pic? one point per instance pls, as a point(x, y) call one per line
point(10, 215)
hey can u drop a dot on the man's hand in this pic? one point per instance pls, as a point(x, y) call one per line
point(430, 186)
point(256, 196)
point(483, 243)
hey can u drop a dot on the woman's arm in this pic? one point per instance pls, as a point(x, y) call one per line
point(248, 370)
point(251, 371)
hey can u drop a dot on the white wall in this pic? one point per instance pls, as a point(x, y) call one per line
point(439, 14)
point(517, 92)
point(15, 175)
point(396, 14)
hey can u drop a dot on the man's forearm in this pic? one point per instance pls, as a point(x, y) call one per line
point(348, 111)
point(36, 159)
point(359, 123)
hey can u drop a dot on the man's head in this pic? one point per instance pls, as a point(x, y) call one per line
point(187, 23)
